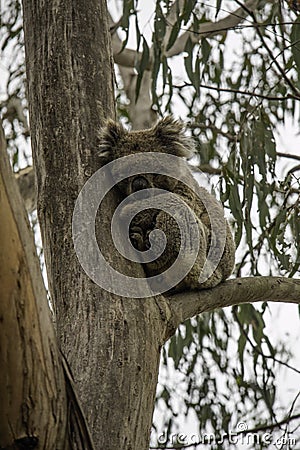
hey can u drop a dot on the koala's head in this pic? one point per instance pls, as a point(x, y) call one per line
point(167, 136)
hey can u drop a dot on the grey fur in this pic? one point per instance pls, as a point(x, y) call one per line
point(167, 136)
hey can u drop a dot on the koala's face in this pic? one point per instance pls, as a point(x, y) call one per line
point(146, 181)
point(166, 136)
point(136, 183)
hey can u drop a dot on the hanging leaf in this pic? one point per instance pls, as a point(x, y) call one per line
point(188, 8)
point(170, 85)
point(188, 60)
point(241, 348)
point(157, 40)
point(141, 67)
point(174, 34)
point(128, 10)
point(138, 33)
point(176, 349)
point(295, 39)
point(263, 208)
point(236, 209)
point(219, 3)
point(206, 50)
point(197, 77)
point(159, 24)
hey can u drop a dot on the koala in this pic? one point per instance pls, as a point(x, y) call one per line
point(168, 137)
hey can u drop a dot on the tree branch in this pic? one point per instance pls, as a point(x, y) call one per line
point(210, 29)
point(31, 375)
point(185, 305)
point(269, 51)
point(129, 57)
point(126, 58)
point(140, 110)
point(288, 155)
point(242, 92)
point(26, 182)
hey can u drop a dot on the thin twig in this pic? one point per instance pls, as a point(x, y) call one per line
point(281, 70)
point(258, 350)
point(288, 155)
point(238, 91)
point(213, 127)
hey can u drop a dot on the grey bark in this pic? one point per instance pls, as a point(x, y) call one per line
point(234, 292)
point(112, 344)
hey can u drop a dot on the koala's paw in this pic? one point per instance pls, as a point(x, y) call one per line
point(136, 236)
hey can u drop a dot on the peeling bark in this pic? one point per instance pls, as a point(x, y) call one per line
point(33, 411)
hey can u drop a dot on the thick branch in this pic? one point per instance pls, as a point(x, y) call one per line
point(126, 58)
point(111, 345)
point(28, 341)
point(140, 110)
point(234, 292)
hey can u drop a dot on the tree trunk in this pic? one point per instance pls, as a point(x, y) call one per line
point(33, 411)
point(112, 344)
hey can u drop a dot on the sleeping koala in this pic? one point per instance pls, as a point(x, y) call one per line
point(214, 260)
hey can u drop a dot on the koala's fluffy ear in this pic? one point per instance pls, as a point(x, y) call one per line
point(170, 132)
point(109, 138)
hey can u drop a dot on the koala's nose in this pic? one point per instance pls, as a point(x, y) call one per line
point(139, 183)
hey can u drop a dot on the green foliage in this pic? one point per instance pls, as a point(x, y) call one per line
point(210, 358)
